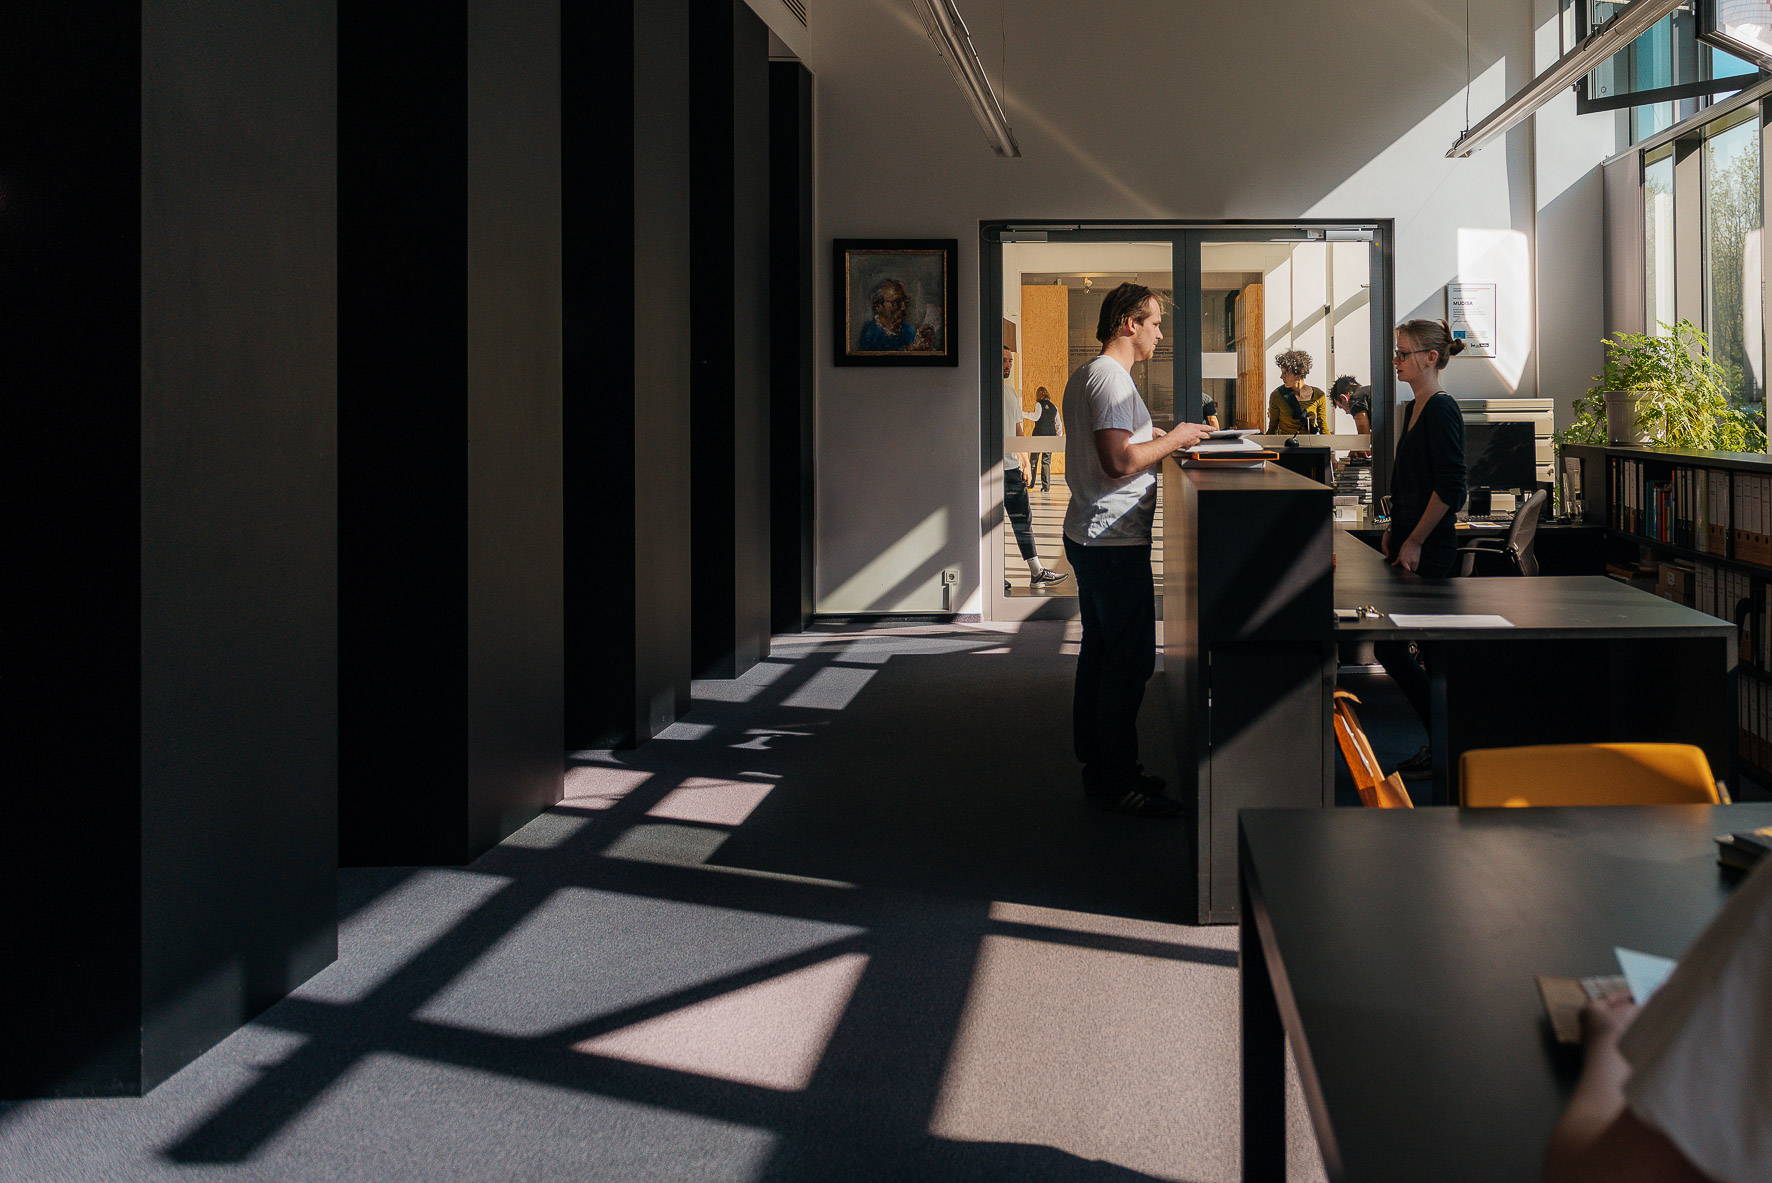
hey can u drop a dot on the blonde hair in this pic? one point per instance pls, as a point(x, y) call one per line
point(1435, 335)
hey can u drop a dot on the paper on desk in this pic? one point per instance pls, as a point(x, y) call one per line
point(1643, 972)
point(1450, 620)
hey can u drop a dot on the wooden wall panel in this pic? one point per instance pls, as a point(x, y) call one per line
point(1045, 346)
point(1251, 410)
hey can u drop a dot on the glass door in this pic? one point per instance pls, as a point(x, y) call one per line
point(1284, 339)
point(1237, 298)
point(1052, 294)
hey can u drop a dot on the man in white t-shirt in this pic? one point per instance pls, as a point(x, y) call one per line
point(1110, 455)
point(1682, 1089)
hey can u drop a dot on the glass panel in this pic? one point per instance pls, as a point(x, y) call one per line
point(1658, 243)
point(1732, 257)
point(1299, 297)
point(1052, 295)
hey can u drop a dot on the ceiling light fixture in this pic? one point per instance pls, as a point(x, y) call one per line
point(1593, 49)
point(954, 42)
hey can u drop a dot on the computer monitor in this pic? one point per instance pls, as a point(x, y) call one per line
point(1500, 455)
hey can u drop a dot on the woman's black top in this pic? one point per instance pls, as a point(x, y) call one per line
point(1430, 459)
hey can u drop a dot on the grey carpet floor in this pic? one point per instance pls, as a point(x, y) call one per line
point(849, 919)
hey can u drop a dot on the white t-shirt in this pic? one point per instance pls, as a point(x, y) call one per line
point(1701, 1049)
point(1105, 510)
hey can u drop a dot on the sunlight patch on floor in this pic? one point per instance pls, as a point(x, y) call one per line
point(771, 1034)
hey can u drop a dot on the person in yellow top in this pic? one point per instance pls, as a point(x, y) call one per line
point(1295, 408)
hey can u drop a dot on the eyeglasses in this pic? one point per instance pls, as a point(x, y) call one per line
point(1400, 354)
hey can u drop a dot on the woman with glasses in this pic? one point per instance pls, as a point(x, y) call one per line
point(1427, 487)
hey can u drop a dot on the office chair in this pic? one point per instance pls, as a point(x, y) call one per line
point(1516, 545)
point(1588, 774)
point(1377, 791)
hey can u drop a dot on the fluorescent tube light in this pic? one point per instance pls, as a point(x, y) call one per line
point(1593, 49)
point(954, 42)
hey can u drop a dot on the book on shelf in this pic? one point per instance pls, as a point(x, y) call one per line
point(1744, 848)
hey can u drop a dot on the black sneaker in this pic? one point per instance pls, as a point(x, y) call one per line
point(1096, 785)
point(1420, 766)
point(1133, 802)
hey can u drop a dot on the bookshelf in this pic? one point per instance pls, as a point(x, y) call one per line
point(1703, 520)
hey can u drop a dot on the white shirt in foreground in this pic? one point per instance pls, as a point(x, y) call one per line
point(1700, 1051)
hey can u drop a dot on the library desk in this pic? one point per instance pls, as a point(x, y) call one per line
point(1563, 548)
point(1396, 951)
point(1589, 660)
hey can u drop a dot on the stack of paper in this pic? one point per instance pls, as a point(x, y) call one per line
point(1229, 452)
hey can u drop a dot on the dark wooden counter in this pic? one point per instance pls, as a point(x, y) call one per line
point(1248, 657)
point(1396, 950)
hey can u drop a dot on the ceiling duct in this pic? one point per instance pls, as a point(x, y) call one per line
point(954, 43)
point(1589, 52)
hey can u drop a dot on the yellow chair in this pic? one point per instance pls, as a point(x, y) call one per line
point(1377, 791)
point(1588, 774)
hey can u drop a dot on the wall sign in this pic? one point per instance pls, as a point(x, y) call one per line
point(1470, 311)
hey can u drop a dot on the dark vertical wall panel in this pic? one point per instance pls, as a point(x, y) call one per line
point(729, 88)
point(661, 390)
point(791, 425)
point(452, 686)
point(70, 287)
point(403, 473)
point(238, 622)
point(516, 691)
point(627, 396)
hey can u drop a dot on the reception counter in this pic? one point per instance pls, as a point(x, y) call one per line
point(1248, 656)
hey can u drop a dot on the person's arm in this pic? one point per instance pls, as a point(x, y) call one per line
point(1273, 414)
point(1598, 1138)
point(1121, 458)
point(1318, 411)
point(1362, 423)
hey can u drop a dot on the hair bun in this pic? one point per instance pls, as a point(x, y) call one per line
point(1455, 347)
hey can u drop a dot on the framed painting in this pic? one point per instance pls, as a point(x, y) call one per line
point(893, 297)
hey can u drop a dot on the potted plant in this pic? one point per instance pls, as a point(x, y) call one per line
point(1666, 391)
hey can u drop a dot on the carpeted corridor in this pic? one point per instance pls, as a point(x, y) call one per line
point(850, 919)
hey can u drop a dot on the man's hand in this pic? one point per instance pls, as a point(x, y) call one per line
point(1605, 1018)
point(1194, 432)
point(1409, 555)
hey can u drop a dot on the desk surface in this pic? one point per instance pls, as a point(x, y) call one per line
point(1549, 607)
point(1403, 946)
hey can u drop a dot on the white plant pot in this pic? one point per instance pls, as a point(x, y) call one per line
point(1622, 429)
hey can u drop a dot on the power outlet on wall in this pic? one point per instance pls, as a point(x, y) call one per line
point(950, 576)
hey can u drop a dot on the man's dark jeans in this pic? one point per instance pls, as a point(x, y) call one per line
point(1015, 504)
point(1119, 653)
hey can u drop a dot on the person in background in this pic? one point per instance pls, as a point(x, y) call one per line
point(1111, 449)
point(1680, 1089)
point(1015, 485)
point(1427, 487)
point(1356, 400)
point(1209, 413)
point(1046, 423)
point(1295, 408)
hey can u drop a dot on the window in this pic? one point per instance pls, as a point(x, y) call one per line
point(1658, 241)
point(1732, 314)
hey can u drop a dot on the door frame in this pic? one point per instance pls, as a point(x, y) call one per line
point(1184, 239)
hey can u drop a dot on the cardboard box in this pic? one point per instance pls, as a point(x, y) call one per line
point(1675, 583)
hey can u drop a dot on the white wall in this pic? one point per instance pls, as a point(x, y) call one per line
point(1151, 109)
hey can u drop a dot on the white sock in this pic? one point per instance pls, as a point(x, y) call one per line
point(1034, 568)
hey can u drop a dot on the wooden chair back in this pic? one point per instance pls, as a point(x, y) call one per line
point(1377, 791)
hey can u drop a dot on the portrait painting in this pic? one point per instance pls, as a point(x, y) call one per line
point(893, 297)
